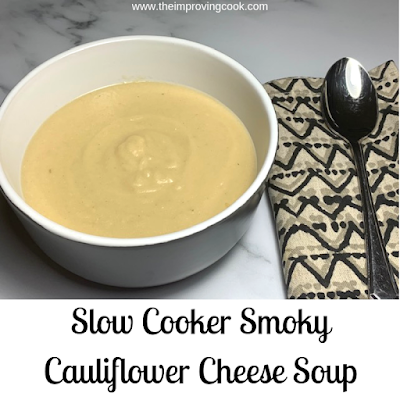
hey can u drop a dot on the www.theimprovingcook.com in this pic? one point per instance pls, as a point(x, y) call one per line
point(187, 7)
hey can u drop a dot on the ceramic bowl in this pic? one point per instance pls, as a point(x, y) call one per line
point(147, 261)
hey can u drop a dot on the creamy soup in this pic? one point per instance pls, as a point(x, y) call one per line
point(138, 159)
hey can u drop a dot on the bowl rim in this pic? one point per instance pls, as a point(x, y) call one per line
point(103, 241)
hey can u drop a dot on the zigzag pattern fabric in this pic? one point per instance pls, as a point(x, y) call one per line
point(314, 190)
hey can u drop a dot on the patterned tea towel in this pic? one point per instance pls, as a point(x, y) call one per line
point(315, 193)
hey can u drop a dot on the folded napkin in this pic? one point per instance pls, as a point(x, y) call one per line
point(315, 192)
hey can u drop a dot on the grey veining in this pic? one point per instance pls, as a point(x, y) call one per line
point(292, 38)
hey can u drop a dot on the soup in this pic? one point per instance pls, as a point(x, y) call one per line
point(136, 160)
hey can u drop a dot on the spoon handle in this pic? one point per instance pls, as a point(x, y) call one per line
point(381, 280)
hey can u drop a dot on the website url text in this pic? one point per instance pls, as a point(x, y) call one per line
point(187, 7)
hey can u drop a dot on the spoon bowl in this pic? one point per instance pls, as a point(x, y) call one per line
point(349, 100)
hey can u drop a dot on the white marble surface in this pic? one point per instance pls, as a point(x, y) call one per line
point(292, 38)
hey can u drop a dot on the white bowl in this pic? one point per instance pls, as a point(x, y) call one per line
point(145, 261)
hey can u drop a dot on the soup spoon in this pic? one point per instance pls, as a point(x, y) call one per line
point(350, 108)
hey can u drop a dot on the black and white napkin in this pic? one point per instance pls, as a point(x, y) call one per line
point(315, 192)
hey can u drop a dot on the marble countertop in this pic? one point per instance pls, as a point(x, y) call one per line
point(292, 38)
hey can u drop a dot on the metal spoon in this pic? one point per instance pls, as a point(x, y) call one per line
point(350, 108)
